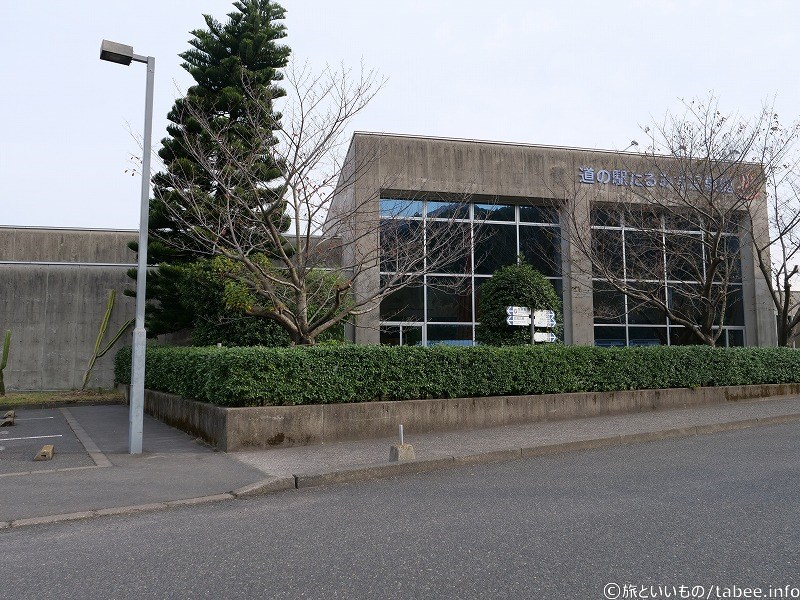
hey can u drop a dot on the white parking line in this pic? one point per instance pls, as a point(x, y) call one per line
point(34, 419)
point(33, 437)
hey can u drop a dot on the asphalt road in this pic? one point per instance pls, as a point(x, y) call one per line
point(710, 510)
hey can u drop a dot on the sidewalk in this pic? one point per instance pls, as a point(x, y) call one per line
point(91, 473)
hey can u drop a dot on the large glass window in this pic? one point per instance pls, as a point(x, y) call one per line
point(401, 335)
point(458, 245)
point(668, 257)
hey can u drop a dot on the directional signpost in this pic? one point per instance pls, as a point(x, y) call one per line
point(544, 336)
point(518, 320)
point(544, 318)
point(523, 316)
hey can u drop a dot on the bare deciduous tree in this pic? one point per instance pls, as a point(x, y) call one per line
point(683, 207)
point(303, 279)
point(777, 238)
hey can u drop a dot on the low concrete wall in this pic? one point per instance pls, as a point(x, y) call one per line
point(232, 429)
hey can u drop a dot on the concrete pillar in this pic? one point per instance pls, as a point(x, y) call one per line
point(577, 270)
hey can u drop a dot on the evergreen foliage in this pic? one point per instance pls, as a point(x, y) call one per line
point(513, 285)
point(350, 373)
point(202, 286)
point(231, 63)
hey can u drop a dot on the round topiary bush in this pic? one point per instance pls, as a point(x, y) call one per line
point(513, 285)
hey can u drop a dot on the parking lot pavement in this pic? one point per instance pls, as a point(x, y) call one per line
point(32, 430)
point(107, 427)
point(173, 466)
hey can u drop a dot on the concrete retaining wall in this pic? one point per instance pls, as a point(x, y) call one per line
point(232, 429)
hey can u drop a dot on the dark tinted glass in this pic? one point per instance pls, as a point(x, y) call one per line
point(607, 251)
point(735, 337)
point(448, 247)
point(609, 336)
point(495, 247)
point(684, 257)
point(644, 311)
point(609, 304)
point(541, 247)
point(449, 299)
point(494, 212)
point(451, 335)
point(406, 304)
point(538, 214)
point(398, 207)
point(605, 216)
point(390, 336)
point(447, 210)
point(647, 336)
point(401, 245)
point(643, 255)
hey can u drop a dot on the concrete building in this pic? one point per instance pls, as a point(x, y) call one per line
point(55, 282)
point(524, 196)
point(55, 285)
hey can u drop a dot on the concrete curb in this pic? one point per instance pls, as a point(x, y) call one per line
point(119, 510)
point(265, 486)
point(348, 475)
point(355, 474)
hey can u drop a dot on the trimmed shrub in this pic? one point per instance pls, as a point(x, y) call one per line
point(260, 376)
point(513, 285)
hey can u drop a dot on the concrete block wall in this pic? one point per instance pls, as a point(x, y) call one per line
point(54, 285)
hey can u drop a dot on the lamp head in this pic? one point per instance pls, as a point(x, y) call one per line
point(116, 53)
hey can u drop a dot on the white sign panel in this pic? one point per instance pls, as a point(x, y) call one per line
point(518, 311)
point(544, 318)
point(544, 336)
point(518, 320)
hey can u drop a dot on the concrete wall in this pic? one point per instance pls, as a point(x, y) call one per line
point(233, 429)
point(53, 295)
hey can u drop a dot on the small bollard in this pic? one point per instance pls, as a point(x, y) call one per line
point(401, 452)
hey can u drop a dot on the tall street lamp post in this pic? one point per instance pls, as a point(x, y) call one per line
point(123, 55)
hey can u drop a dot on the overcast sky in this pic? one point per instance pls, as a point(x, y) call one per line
point(580, 73)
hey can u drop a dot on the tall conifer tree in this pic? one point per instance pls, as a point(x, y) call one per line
point(231, 63)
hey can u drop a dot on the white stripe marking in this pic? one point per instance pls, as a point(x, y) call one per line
point(34, 419)
point(33, 437)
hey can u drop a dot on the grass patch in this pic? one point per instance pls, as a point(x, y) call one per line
point(12, 399)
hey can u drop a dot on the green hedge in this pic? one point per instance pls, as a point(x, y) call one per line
point(283, 376)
